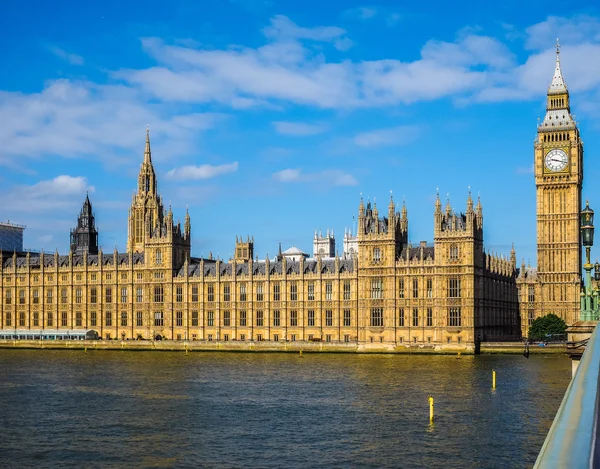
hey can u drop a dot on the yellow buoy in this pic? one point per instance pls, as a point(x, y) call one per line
point(300, 352)
point(430, 409)
point(493, 379)
point(458, 355)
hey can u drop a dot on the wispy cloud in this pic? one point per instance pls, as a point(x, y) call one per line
point(332, 177)
point(299, 128)
point(205, 171)
point(60, 192)
point(400, 135)
point(364, 13)
point(74, 119)
point(73, 59)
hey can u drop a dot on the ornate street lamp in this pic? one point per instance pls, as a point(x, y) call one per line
point(587, 230)
point(589, 296)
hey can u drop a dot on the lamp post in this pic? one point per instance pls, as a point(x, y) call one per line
point(589, 294)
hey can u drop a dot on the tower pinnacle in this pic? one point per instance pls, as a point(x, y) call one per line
point(557, 86)
point(147, 153)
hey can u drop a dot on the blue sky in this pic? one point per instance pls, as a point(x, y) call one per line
point(269, 118)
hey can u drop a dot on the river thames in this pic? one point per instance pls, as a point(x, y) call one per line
point(240, 410)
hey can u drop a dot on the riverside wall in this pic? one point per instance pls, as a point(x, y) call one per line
point(284, 347)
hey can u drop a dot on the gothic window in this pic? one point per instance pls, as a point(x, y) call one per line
point(293, 318)
point(139, 319)
point(194, 318)
point(259, 319)
point(401, 288)
point(376, 255)
point(63, 296)
point(123, 319)
point(93, 319)
point(376, 289)
point(49, 319)
point(108, 294)
point(401, 317)
point(78, 319)
point(93, 296)
point(124, 295)
point(429, 317)
point(454, 317)
point(8, 297)
point(147, 184)
point(158, 257)
point(454, 252)
point(429, 288)
point(311, 317)
point(276, 292)
point(211, 293)
point(226, 293)
point(139, 294)
point(158, 294)
point(415, 318)
point(454, 288)
point(63, 319)
point(311, 291)
point(276, 318)
point(78, 295)
point(21, 297)
point(531, 293)
point(179, 294)
point(376, 317)
point(243, 318)
point(415, 288)
point(346, 290)
point(294, 291)
point(243, 292)
point(179, 318)
point(347, 320)
point(329, 317)
point(158, 319)
point(36, 319)
point(259, 292)
point(328, 290)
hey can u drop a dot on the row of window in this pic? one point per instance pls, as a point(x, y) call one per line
point(78, 277)
point(377, 318)
point(453, 319)
point(454, 291)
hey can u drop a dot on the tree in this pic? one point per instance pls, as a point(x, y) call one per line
point(547, 325)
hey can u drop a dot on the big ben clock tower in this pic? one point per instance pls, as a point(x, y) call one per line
point(558, 177)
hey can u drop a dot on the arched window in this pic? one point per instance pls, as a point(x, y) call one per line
point(147, 186)
point(158, 257)
point(454, 252)
point(376, 255)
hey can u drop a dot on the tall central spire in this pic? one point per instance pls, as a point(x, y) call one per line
point(147, 153)
point(557, 86)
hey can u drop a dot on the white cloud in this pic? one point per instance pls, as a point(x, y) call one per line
point(73, 119)
point(332, 177)
point(73, 59)
point(570, 31)
point(205, 171)
point(361, 13)
point(400, 135)
point(62, 192)
point(299, 128)
point(282, 27)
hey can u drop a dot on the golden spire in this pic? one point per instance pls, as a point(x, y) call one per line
point(147, 154)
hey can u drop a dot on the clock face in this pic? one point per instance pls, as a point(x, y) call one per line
point(556, 160)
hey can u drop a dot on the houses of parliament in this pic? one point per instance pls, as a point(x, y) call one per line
point(383, 290)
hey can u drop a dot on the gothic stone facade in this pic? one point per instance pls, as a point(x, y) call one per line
point(555, 286)
point(392, 293)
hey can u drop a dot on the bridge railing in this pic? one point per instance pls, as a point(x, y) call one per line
point(572, 440)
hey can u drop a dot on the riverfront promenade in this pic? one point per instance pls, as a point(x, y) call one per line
point(271, 346)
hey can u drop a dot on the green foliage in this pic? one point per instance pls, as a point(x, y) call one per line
point(550, 324)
